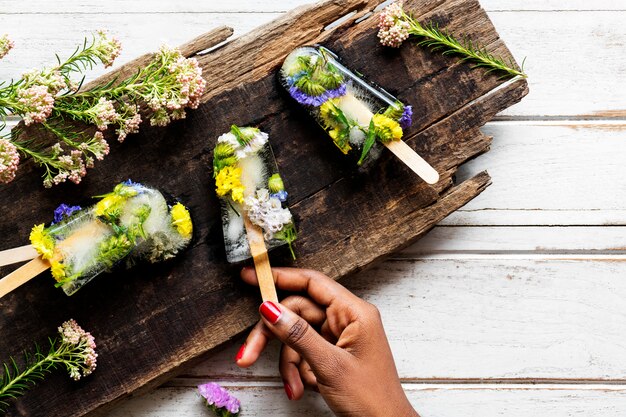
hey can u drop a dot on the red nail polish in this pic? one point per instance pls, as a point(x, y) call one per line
point(288, 391)
point(240, 353)
point(270, 311)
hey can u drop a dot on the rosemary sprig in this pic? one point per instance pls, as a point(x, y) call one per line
point(439, 40)
point(395, 26)
point(74, 350)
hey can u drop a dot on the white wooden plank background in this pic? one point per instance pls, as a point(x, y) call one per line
point(514, 305)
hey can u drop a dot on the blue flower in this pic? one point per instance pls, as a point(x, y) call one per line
point(407, 117)
point(295, 77)
point(281, 195)
point(64, 211)
point(316, 101)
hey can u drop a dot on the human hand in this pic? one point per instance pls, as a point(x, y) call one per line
point(333, 341)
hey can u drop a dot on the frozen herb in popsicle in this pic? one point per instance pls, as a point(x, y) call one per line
point(250, 188)
point(357, 116)
point(132, 223)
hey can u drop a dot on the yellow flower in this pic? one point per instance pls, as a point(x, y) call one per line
point(228, 180)
point(42, 241)
point(386, 128)
point(329, 114)
point(335, 134)
point(58, 270)
point(182, 220)
point(108, 204)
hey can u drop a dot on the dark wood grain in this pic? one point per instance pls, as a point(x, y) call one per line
point(152, 322)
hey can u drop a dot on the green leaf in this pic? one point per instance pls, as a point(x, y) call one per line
point(369, 142)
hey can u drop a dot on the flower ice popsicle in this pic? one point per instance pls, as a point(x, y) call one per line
point(252, 196)
point(358, 116)
point(132, 223)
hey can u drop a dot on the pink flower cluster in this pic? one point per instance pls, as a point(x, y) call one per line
point(102, 113)
point(49, 77)
point(9, 160)
point(184, 90)
point(6, 45)
point(72, 334)
point(129, 124)
point(106, 49)
point(393, 29)
point(36, 103)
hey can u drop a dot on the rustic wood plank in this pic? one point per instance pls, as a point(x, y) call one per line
point(516, 240)
point(538, 177)
point(525, 319)
point(152, 322)
point(260, 399)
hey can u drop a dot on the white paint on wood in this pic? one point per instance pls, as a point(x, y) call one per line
point(429, 400)
point(549, 175)
point(488, 317)
point(559, 45)
point(262, 6)
point(573, 60)
point(532, 240)
point(48, 34)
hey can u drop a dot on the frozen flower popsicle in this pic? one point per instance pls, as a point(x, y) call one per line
point(358, 116)
point(132, 223)
point(252, 195)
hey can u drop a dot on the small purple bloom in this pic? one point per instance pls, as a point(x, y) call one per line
point(316, 101)
point(281, 195)
point(219, 399)
point(64, 211)
point(407, 117)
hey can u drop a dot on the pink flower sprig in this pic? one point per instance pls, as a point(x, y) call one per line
point(51, 100)
point(6, 45)
point(395, 26)
point(219, 400)
point(75, 350)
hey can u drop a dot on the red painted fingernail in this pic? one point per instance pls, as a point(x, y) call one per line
point(288, 391)
point(270, 311)
point(240, 353)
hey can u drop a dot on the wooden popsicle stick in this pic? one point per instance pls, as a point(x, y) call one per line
point(15, 255)
point(417, 164)
point(22, 275)
point(261, 261)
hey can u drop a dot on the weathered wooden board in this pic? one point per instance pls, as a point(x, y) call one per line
point(152, 322)
point(429, 400)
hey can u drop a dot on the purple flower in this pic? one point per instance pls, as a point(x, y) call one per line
point(64, 211)
point(316, 101)
point(219, 399)
point(281, 195)
point(407, 117)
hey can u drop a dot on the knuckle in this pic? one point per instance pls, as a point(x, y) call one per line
point(297, 332)
point(294, 302)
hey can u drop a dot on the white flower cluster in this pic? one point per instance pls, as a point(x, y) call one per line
point(254, 138)
point(267, 213)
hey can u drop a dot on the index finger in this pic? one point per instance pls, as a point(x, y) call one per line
point(322, 289)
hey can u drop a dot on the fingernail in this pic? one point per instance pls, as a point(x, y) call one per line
point(240, 353)
point(270, 311)
point(288, 391)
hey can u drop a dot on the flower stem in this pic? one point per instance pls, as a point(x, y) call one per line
point(440, 40)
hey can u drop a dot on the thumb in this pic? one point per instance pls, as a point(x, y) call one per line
point(296, 333)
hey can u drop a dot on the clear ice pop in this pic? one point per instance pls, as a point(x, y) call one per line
point(358, 116)
point(250, 188)
point(132, 223)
